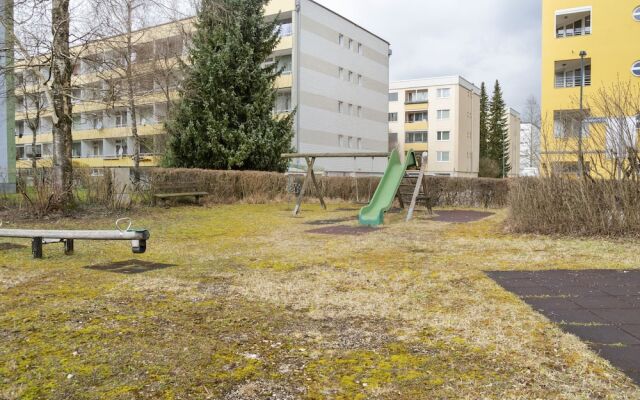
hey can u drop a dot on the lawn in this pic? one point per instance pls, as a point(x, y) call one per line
point(241, 302)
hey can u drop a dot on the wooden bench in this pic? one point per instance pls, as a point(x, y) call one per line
point(166, 196)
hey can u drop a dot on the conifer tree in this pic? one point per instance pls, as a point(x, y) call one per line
point(225, 119)
point(498, 141)
point(484, 121)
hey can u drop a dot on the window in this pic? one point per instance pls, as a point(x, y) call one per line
point(359, 80)
point(121, 119)
point(76, 150)
point(416, 137)
point(393, 140)
point(573, 23)
point(350, 142)
point(341, 40)
point(340, 107)
point(359, 143)
point(360, 48)
point(350, 77)
point(444, 114)
point(444, 136)
point(569, 73)
point(444, 93)
point(443, 156)
point(566, 123)
point(359, 112)
point(393, 117)
point(77, 122)
point(285, 28)
point(341, 73)
point(19, 128)
point(340, 141)
point(350, 109)
point(283, 103)
point(284, 64)
point(20, 154)
point(417, 96)
point(350, 44)
point(393, 97)
point(635, 68)
point(413, 117)
point(29, 153)
point(636, 14)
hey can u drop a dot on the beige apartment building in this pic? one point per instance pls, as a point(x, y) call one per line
point(440, 116)
point(514, 124)
point(336, 77)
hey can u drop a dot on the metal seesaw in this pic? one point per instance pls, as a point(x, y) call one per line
point(39, 237)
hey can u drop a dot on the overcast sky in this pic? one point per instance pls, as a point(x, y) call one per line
point(482, 40)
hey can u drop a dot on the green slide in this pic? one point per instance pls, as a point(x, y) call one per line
point(373, 214)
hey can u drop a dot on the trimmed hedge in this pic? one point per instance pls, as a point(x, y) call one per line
point(575, 207)
point(226, 187)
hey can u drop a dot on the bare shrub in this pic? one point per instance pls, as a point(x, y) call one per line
point(558, 205)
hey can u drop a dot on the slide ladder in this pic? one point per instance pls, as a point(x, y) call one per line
point(414, 188)
point(382, 200)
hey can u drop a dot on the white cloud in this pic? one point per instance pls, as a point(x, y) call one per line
point(482, 40)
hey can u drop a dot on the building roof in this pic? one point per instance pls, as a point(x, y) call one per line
point(435, 81)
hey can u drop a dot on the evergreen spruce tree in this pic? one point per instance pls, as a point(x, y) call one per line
point(484, 121)
point(498, 141)
point(224, 119)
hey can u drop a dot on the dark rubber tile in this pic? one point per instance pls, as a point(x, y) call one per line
point(551, 303)
point(607, 335)
point(573, 317)
point(601, 302)
point(619, 316)
point(632, 329)
point(625, 357)
point(634, 374)
point(626, 290)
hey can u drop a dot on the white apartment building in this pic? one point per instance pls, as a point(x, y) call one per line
point(513, 123)
point(440, 116)
point(339, 86)
point(529, 149)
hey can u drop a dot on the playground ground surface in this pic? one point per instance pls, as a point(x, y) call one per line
point(242, 302)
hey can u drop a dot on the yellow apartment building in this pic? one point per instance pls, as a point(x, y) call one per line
point(440, 116)
point(604, 36)
point(335, 75)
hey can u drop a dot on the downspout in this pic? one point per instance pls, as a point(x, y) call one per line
point(296, 81)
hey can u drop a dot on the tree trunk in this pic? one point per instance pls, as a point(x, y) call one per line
point(62, 121)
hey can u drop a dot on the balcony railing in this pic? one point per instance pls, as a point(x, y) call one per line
point(572, 81)
point(561, 33)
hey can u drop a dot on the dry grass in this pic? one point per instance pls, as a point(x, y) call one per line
point(257, 308)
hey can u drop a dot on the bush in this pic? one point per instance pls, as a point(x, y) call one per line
point(467, 192)
point(573, 206)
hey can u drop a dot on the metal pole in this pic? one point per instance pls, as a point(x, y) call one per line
point(582, 82)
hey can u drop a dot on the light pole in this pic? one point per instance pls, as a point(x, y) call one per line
point(581, 171)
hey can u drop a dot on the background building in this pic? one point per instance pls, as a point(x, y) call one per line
point(440, 116)
point(607, 31)
point(513, 123)
point(336, 77)
point(529, 149)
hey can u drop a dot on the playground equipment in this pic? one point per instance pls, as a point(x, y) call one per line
point(389, 189)
point(310, 158)
point(138, 237)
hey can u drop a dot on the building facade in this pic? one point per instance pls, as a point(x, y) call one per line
point(335, 77)
point(440, 116)
point(529, 149)
point(7, 111)
point(514, 123)
point(588, 44)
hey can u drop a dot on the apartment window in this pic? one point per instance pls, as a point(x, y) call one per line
point(340, 107)
point(393, 140)
point(443, 156)
point(96, 148)
point(341, 73)
point(636, 14)
point(19, 128)
point(341, 40)
point(20, 153)
point(285, 28)
point(29, 151)
point(393, 117)
point(566, 123)
point(393, 97)
point(340, 141)
point(284, 64)
point(444, 114)
point(359, 112)
point(350, 44)
point(350, 109)
point(444, 136)
point(573, 23)
point(76, 149)
point(360, 48)
point(283, 102)
point(569, 73)
point(350, 142)
point(417, 96)
point(635, 68)
point(359, 143)
point(416, 137)
point(444, 93)
point(420, 116)
point(350, 77)
point(77, 122)
point(359, 80)
point(121, 119)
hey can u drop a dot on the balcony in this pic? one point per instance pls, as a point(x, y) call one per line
point(572, 23)
point(568, 73)
point(416, 97)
